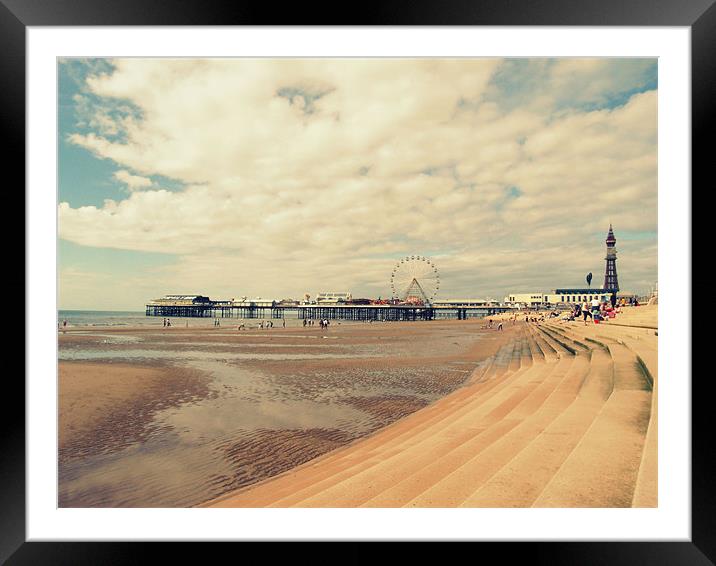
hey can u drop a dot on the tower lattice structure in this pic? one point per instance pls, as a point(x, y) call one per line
point(610, 276)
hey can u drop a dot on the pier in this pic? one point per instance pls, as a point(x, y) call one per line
point(216, 309)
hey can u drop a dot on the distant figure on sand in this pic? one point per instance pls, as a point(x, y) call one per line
point(304, 323)
point(499, 326)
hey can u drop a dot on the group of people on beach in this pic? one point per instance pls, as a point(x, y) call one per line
point(166, 322)
point(261, 325)
point(323, 322)
point(596, 310)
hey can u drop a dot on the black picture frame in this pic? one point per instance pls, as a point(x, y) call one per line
point(17, 15)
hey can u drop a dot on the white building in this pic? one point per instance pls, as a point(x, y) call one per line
point(558, 297)
point(180, 300)
point(332, 298)
point(525, 299)
point(462, 303)
point(257, 302)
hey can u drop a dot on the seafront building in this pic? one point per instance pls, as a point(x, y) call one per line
point(557, 297)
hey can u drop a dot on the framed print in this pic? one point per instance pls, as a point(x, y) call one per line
point(386, 282)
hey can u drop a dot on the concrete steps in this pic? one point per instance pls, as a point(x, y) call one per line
point(466, 431)
point(644, 344)
point(602, 469)
point(532, 417)
point(522, 479)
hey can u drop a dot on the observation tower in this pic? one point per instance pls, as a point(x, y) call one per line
point(610, 276)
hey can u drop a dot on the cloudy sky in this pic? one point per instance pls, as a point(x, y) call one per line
point(279, 177)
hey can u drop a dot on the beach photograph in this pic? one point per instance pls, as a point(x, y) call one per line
point(357, 282)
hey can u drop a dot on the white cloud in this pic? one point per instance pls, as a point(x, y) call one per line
point(133, 182)
point(300, 171)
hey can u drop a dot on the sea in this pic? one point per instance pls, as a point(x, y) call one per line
point(76, 318)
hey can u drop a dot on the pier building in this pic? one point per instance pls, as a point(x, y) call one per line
point(333, 298)
point(463, 303)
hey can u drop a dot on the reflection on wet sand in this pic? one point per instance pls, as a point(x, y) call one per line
point(191, 415)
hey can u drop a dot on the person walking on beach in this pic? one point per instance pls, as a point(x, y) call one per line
point(284, 323)
point(499, 326)
point(585, 312)
point(304, 323)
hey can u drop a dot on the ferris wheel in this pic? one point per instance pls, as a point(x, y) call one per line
point(415, 279)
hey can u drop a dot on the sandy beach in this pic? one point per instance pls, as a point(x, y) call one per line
point(177, 416)
point(104, 407)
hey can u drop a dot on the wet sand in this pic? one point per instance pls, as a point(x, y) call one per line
point(175, 417)
point(105, 407)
